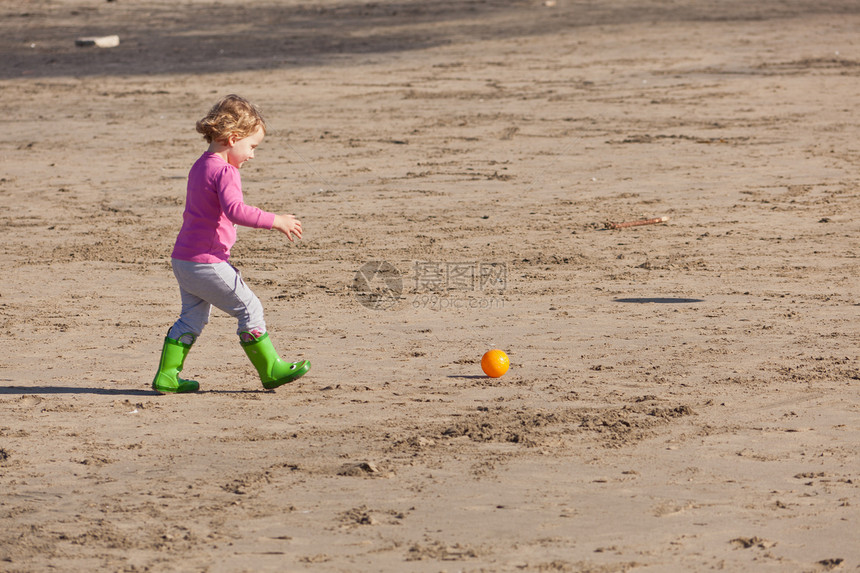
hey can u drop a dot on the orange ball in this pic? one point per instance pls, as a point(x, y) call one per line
point(495, 363)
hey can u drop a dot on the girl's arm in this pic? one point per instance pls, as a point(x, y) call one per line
point(288, 225)
point(229, 188)
point(233, 205)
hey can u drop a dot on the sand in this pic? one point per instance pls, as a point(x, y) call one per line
point(683, 396)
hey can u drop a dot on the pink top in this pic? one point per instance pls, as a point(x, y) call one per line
point(213, 205)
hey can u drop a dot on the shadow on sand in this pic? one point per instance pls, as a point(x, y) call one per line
point(659, 300)
point(27, 390)
point(12, 390)
point(167, 37)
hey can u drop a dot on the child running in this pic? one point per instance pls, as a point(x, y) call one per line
point(214, 205)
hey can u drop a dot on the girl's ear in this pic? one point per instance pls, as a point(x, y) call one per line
point(231, 141)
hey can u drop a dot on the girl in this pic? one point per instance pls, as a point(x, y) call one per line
point(213, 207)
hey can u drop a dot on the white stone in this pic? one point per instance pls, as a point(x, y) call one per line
point(98, 41)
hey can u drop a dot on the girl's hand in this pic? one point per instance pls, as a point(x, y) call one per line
point(288, 225)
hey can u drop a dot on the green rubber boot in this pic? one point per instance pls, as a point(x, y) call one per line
point(167, 378)
point(273, 371)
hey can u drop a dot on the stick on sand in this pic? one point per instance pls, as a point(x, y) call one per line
point(654, 221)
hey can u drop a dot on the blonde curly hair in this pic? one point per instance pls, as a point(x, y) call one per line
point(232, 115)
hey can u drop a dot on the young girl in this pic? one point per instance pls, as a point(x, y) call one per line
point(213, 207)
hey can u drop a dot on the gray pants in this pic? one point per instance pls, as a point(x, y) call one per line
point(203, 285)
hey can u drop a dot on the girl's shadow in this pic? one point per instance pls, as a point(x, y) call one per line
point(10, 390)
point(7, 390)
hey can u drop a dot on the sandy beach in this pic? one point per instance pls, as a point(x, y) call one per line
point(683, 396)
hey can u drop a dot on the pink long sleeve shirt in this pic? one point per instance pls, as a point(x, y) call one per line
point(213, 206)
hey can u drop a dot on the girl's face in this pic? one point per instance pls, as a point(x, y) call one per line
point(241, 150)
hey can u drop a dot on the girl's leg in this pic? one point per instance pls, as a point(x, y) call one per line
point(204, 285)
point(221, 285)
point(193, 318)
point(195, 310)
point(177, 343)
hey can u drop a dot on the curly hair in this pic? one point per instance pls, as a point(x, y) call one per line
point(232, 115)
